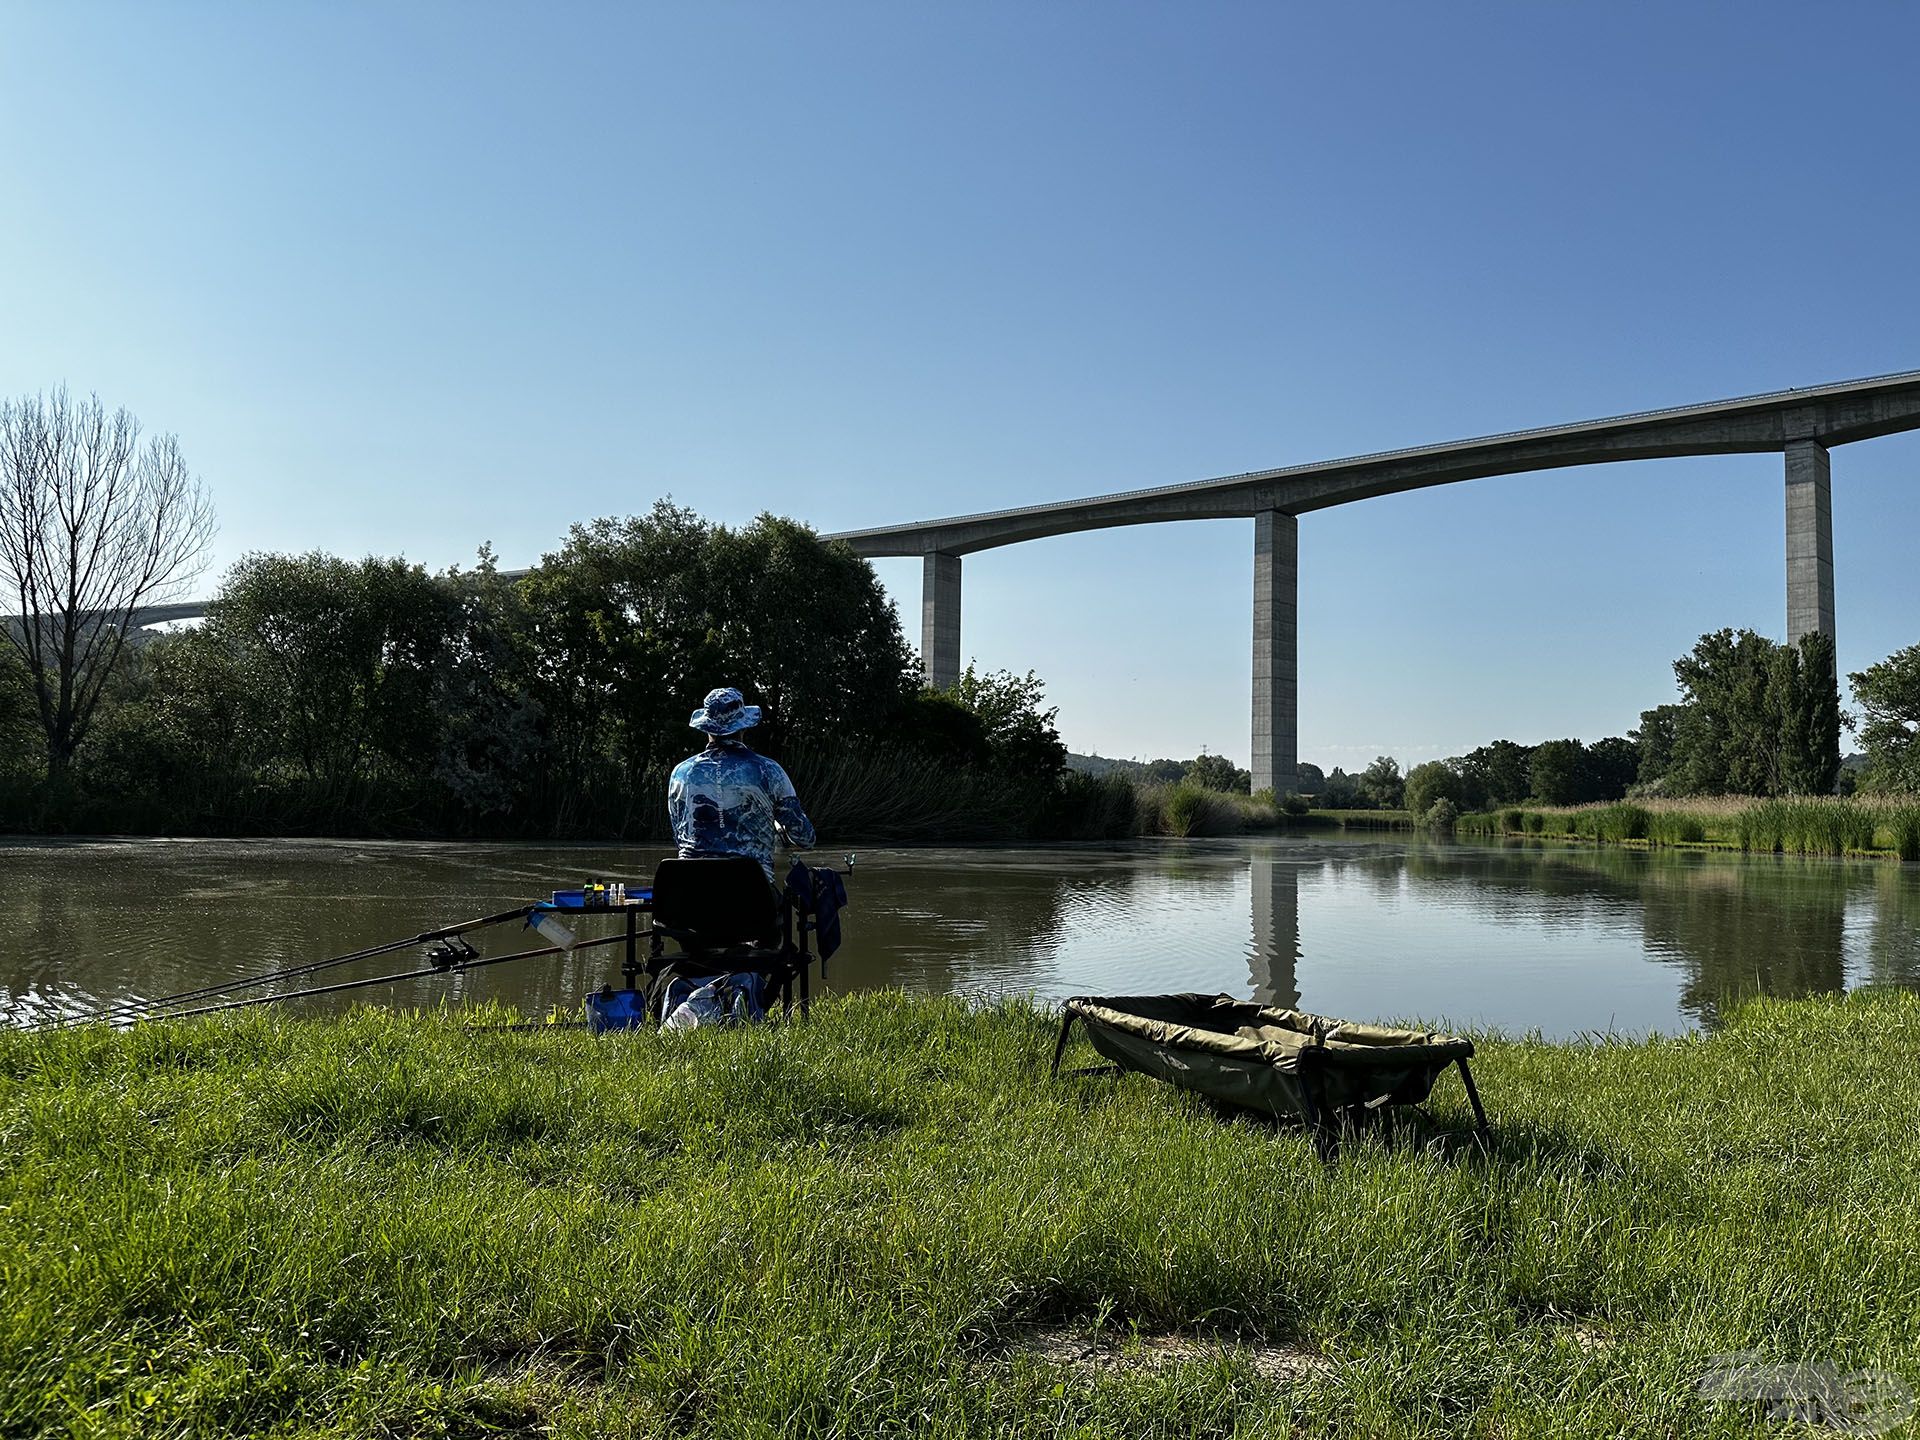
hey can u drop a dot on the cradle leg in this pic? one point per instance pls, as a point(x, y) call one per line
point(1326, 1140)
point(1060, 1048)
point(1473, 1099)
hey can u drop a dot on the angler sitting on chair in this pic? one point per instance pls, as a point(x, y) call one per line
point(729, 806)
point(727, 800)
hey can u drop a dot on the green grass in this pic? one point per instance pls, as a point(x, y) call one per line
point(387, 1226)
point(1798, 825)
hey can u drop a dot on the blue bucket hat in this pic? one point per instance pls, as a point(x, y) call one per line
point(723, 712)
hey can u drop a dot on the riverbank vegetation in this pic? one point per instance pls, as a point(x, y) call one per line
point(892, 1221)
point(1749, 758)
point(324, 696)
point(1800, 825)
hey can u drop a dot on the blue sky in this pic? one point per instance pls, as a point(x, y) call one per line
point(408, 278)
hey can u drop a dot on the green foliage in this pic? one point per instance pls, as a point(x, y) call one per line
point(1441, 815)
point(332, 696)
point(1187, 810)
point(1021, 736)
point(1889, 698)
point(1559, 772)
point(1498, 773)
point(1757, 718)
point(1216, 772)
point(1382, 784)
point(1292, 804)
point(1432, 782)
point(1656, 741)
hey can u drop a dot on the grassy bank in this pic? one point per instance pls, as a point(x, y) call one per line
point(1803, 825)
point(892, 1222)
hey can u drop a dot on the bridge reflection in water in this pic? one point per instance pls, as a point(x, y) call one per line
point(1520, 936)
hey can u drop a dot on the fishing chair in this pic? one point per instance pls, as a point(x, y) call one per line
point(726, 918)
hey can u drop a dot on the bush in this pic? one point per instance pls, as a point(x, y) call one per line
point(1442, 814)
point(1536, 823)
point(1293, 804)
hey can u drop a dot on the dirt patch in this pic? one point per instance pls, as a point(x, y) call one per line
point(1100, 1353)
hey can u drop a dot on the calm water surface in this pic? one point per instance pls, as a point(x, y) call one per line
point(1521, 937)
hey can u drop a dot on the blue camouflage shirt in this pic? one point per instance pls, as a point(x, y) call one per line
point(728, 800)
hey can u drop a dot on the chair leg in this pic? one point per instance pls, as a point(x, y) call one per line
point(1473, 1099)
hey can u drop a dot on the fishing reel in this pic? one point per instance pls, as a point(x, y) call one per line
point(450, 953)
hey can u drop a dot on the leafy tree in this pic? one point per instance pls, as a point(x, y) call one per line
point(939, 726)
point(1022, 739)
point(1166, 772)
point(1311, 779)
point(1612, 765)
point(1657, 740)
point(1815, 758)
point(804, 626)
point(1728, 737)
point(1756, 718)
point(333, 662)
point(1382, 784)
point(1498, 774)
point(491, 729)
point(1216, 772)
point(1889, 698)
point(1433, 781)
point(1560, 774)
point(1343, 792)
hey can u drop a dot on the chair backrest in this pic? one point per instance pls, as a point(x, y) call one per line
point(711, 903)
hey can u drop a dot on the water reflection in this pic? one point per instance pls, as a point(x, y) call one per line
point(1522, 936)
point(1276, 929)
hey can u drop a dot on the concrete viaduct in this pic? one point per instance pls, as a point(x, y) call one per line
point(1803, 425)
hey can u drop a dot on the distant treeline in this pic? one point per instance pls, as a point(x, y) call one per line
point(1755, 718)
point(370, 697)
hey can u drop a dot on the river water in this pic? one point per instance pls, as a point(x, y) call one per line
point(1563, 940)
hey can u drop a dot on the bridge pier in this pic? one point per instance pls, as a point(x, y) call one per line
point(940, 620)
point(1276, 660)
point(1809, 540)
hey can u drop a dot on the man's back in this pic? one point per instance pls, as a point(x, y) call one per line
point(727, 800)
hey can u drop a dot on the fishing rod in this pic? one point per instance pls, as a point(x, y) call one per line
point(453, 967)
point(150, 1008)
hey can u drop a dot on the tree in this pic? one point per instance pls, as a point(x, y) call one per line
point(1728, 738)
point(1756, 718)
point(1382, 784)
point(1657, 739)
point(1889, 698)
point(1612, 765)
point(1216, 772)
point(1815, 757)
point(1021, 737)
point(1498, 774)
point(94, 526)
point(1435, 780)
point(335, 663)
point(1560, 774)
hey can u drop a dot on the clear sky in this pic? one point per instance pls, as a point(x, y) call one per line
point(406, 278)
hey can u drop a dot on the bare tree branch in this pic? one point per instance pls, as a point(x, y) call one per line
point(93, 527)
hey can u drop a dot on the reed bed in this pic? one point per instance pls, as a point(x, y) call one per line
point(1799, 825)
point(893, 1222)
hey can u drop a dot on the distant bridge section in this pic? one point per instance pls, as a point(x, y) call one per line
point(1801, 424)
